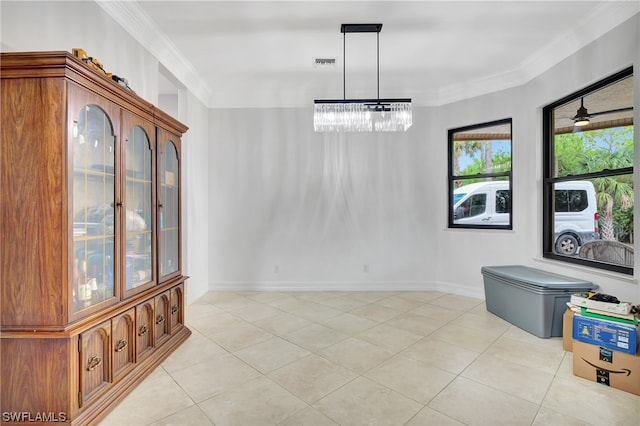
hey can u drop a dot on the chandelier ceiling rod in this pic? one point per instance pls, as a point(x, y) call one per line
point(359, 28)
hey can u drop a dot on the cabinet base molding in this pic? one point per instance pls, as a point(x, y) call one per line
point(118, 391)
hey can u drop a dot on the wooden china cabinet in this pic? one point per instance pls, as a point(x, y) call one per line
point(91, 291)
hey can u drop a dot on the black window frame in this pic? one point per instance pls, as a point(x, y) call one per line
point(452, 179)
point(548, 234)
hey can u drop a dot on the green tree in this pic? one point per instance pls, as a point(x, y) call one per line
point(595, 151)
point(501, 162)
point(623, 220)
point(484, 160)
point(469, 148)
point(569, 149)
point(611, 193)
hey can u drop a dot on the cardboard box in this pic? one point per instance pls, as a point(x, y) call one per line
point(567, 327)
point(607, 367)
point(608, 334)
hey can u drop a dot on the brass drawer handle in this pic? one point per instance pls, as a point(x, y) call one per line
point(143, 330)
point(94, 362)
point(160, 319)
point(121, 345)
point(174, 309)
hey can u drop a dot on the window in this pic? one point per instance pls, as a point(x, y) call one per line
point(503, 201)
point(570, 200)
point(480, 176)
point(588, 176)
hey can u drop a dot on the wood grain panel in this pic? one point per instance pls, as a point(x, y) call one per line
point(95, 360)
point(163, 318)
point(123, 343)
point(30, 365)
point(177, 311)
point(31, 215)
point(145, 328)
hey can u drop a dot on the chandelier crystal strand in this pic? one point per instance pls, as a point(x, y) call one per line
point(397, 118)
point(362, 117)
point(341, 117)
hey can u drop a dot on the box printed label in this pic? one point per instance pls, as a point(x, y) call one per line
point(606, 355)
point(616, 336)
point(624, 371)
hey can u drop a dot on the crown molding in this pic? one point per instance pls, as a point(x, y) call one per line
point(601, 20)
point(142, 28)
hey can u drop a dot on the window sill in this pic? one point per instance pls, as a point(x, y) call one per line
point(631, 279)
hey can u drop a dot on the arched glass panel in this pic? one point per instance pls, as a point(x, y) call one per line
point(169, 211)
point(138, 203)
point(93, 147)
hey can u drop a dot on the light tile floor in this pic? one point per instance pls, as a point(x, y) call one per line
point(377, 358)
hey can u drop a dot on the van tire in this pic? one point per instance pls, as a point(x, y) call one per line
point(567, 244)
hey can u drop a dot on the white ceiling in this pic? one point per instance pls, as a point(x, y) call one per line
point(261, 53)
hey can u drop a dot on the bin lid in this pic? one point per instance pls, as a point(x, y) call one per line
point(536, 277)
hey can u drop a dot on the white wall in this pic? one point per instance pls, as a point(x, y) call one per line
point(462, 252)
point(292, 209)
point(47, 25)
point(195, 173)
point(40, 26)
point(618, 49)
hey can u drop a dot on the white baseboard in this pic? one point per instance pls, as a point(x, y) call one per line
point(459, 290)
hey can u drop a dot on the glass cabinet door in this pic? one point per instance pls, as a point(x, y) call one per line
point(138, 204)
point(93, 207)
point(168, 211)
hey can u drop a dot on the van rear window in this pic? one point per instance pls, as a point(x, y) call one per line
point(571, 200)
point(503, 201)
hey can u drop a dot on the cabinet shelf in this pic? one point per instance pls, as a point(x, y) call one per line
point(80, 238)
point(89, 231)
point(91, 172)
point(169, 228)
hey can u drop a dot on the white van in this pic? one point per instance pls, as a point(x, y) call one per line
point(472, 203)
point(576, 213)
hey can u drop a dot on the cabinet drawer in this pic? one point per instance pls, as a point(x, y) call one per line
point(123, 342)
point(95, 362)
point(177, 308)
point(162, 317)
point(145, 329)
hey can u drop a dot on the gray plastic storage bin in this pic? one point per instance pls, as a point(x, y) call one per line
point(529, 298)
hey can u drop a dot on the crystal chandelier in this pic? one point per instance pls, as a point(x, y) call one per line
point(362, 115)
